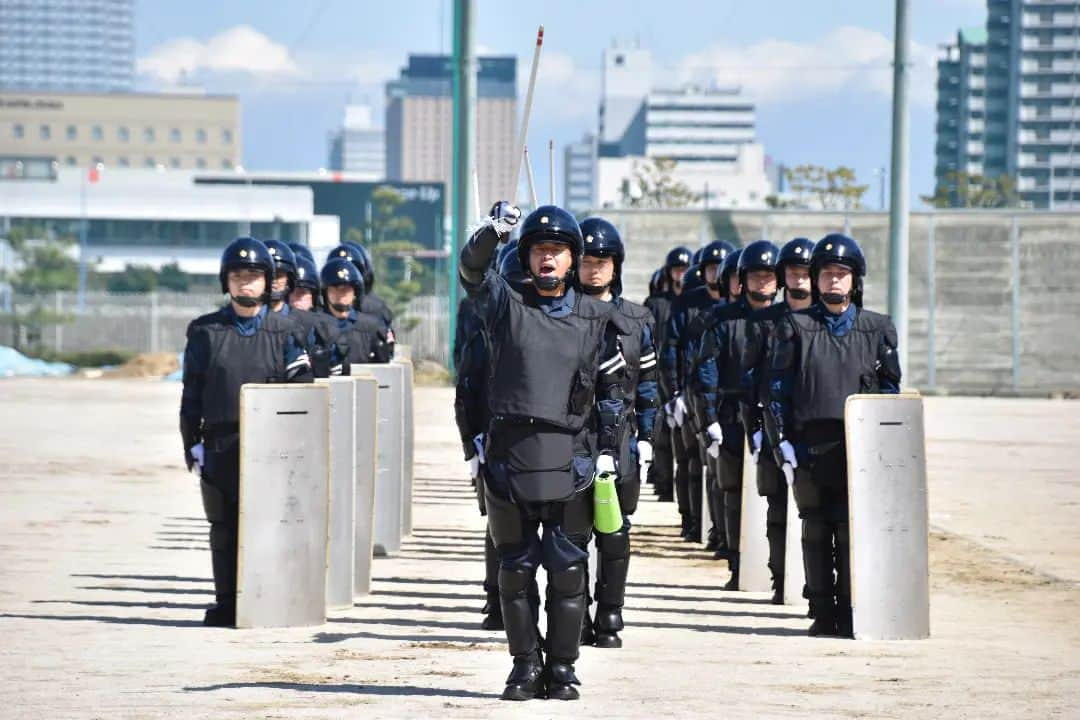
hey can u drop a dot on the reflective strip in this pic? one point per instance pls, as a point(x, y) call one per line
point(648, 364)
point(611, 361)
point(620, 364)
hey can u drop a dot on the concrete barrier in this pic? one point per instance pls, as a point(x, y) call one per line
point(284, 505)
point(366, 424)
point(390, 450)
point(408, 443)
point(754, 573)
point(340, 562)
point(794, 571)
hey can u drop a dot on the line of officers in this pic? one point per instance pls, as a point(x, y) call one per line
point(561, 380)
point(285, 321)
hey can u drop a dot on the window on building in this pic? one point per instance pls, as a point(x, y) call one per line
point(226, 136)
point(123, 134)
point(174, 135)
point(148, 134)
point(124, 162)
point(149, 162)
point(174, 162)
point(200, 136)
point(200, 163)
point(1043, 157)
point(72, 132)
point(226, 164)
point(1044, 87)
point(70, 161)
point(97, 133)
point(1042, 111)
point(1045, 63)
point(45, 132)
point(17, 131)
point(1042, 134)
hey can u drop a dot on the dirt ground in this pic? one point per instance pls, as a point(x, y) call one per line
point(105, 571)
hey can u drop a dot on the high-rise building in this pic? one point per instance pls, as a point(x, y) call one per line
point(708, 132)
point(67, 45)
point(419, 123)
point(961, 110)
point(579, 175)
point(1032, 122)
point(359, 147)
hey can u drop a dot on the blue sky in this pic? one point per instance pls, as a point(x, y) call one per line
point(818, 70)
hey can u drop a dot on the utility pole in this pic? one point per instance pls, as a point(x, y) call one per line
point(464, 146)
point(898, 208)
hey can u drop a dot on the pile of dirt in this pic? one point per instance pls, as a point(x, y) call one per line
point(430, 373)
point(148, 365)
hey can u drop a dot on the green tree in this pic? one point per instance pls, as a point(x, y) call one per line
point(814, 186)
point(171, 277)
point(45, 262)
point(653, 185)
point(133, 279)
point(968, 190)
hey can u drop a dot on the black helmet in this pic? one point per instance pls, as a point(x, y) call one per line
point(842, 250)
point(363, 262)
point(727, 268)
point(284, 260)
point(307, 276)
point(694, 278)
point(344, 251)
point(758, 255)
point(510, 264)
point(550, 223)
point(695, 259)
point(246, 252)
point(794, 252)
point(603, 240)
point(300, 250)
point(716, 252)
point(677, 257)
point(656, 282)
point(339, 271)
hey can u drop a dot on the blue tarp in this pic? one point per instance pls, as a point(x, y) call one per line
point(14, 364)
point(179, 374)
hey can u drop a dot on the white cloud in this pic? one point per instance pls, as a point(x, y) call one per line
point(563, 88)
point(240, 49)
point(847, 59)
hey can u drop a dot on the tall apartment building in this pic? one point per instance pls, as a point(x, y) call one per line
point(961, 109)
point(67, 45)
point(419, 123)
point(358, 146)
point(1032, 122)
point(579, 175)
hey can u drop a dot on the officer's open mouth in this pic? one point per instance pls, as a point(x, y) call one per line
point(547, 268)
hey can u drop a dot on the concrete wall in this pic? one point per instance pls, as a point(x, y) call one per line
point(970, 346)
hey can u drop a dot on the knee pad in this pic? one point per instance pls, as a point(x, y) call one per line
point(815, 531)
point(514, 581)
point(570, 581)
point(629, 493)
point(615, 545)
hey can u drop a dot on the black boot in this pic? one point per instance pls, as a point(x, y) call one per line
point(733, 564)
point(221, 615)
point(607, 626)
point(561, 681)
point(493, 619)
point(526, 680)
point(824, 624)
point(845, 627)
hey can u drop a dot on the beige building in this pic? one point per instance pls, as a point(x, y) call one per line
point(122, 130)
point(419, 123)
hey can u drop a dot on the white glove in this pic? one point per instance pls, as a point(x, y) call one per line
point(716, 433)
point(605, 465)
point(790, 462)
point(669, 413)
point(714, 449)
point(644, 452)
point(199, 453)
point(474, 466)
point(680, 411)
point(755, 446)
point(478, 443)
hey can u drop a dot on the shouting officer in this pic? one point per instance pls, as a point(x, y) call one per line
point(793, 276)
point(601, 277)
point(240, 343)
point(820, 357)
point(360, 337)
point(721, 378)
point(554, 366)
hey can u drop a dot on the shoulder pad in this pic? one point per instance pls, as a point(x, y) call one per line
point(634, 310)
point(211, 318)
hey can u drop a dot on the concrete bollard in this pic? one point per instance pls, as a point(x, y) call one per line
point(887, 507)
point(339, 556)
point(753, 544)
point(390, 448)
point(408, 442)
point(284, 505)
point(366, 424)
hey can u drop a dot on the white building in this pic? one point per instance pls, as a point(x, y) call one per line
point(579, 175)
point(148, 217)
point(359, 146)
point(709, 132)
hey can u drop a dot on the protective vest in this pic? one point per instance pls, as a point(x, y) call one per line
point(235, 360)
point(363, 341)
point(832, 368)
point(637, 317)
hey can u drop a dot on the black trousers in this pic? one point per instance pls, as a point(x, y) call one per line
point(220, 486)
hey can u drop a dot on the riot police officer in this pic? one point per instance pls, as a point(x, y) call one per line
point(662, 470)
point(306, 295)
point(301, 251)
point(554, 367)
point(360, 337)
point(721, 379)
point(793, 277)
point(240, 343)
point(819, 357)
point(601, 277)
point(367, 303)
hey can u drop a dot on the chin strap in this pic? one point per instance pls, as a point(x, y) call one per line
point(594, 290)
point(243, 301)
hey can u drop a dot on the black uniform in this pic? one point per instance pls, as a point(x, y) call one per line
point(225, 351)
point(360, 338)
point(662, 470)
point(554, 367)
point(818, 360)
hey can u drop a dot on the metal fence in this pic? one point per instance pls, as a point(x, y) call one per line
point(157, 322)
